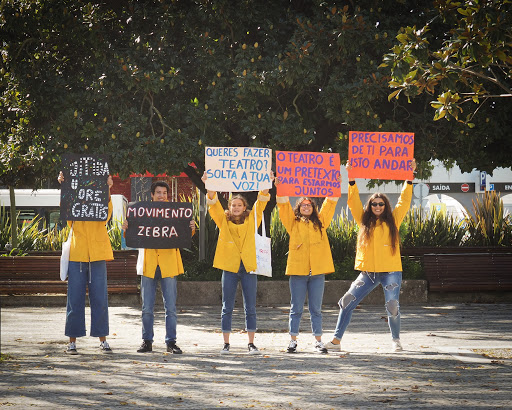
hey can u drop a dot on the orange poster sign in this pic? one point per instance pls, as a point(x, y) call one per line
point(381, 155)
point(313, 174)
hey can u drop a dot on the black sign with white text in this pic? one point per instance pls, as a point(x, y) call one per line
point(500, 186)
point(443, 188)
point(159, 225)
point(84, 192)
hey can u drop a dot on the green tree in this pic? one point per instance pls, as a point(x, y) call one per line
point(151, 83)
point(460, 58)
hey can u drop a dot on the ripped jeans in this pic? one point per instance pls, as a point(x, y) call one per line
point(362, 286)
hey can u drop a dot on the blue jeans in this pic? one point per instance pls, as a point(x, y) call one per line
point(249, 287)
point(80, 276)
point(313, 285)
point(169, 293)
point(362, 286)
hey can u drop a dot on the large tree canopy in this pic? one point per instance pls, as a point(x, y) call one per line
point(462, 57)
point(151, 83)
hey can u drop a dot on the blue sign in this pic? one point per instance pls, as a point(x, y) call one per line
point(483, 180)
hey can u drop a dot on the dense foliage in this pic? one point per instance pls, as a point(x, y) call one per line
point(460, 58)
point(151, 83)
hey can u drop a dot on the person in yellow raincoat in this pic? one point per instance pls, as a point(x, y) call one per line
point(236, 257)
point(89, 253)
point(164, 266)
point(377, 257)
point(309, 260)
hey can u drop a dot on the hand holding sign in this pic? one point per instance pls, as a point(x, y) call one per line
point(238, 169)
point(159, 225)
point(85, 188)
point(308, 174)
point(381, 155)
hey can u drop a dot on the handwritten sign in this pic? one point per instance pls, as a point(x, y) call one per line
point(238, 169)
point(381, 155)
point(159, 225)
point(308, 174)
point(84, 191)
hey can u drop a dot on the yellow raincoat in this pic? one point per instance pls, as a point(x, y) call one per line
point(309, 248)
point(236, 241)
point(377, 256)
point(90, 241)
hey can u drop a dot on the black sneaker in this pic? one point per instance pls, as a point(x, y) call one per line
point(253, 349)
point(292, 347)
point(225, 349)
point(146, 346)
point(71, 348)
point(172, 347)
point(105, 348)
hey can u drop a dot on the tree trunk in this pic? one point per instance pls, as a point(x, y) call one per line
point(14, 221)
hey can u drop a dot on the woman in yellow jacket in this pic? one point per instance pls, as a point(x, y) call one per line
point(309, 260)
point(377, 257)
point(236, 257)
point(89, 253)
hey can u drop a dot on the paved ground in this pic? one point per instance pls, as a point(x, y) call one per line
point(438, 368)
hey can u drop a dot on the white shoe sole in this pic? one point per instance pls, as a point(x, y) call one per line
point(333, 347)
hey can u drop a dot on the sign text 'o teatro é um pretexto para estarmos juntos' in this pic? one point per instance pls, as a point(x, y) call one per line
point(313, 174)
point(84, 191)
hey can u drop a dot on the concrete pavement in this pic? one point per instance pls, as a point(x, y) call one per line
point(439, 368)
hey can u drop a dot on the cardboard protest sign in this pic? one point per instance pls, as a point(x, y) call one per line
point(159, 225)
point(381, 155)
point(237, 169)
point(84, 191)
point(308, 174)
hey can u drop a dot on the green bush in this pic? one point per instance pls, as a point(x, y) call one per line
point(488, 225)
point(5, 227)
point(412, 268)
point(430, 229)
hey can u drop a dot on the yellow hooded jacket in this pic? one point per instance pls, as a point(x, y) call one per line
point(90, 241)
point(169, 261)
point(377, 255)
point(236, 241)
point(309, 249)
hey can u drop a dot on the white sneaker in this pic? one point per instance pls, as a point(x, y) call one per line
point(71, 348)
point(332, 346)
point(105, 348)
point(253, 349)
point(320, 347)
point(292, 347)
point(225, 349)
point(396, 345)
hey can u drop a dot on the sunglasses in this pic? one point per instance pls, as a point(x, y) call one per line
point(375, 204)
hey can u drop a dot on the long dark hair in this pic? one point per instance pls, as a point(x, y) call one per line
point(369, 220)
point(245, 213)
point(317, 224)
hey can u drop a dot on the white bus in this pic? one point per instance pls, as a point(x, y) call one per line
point(44, 203)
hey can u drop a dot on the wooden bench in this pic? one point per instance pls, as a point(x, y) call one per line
point(468, 272)
point(40, 274)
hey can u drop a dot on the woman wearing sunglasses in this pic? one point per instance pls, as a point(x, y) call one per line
point(377, 257)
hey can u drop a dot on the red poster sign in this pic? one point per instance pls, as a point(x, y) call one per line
point(381, 155)
point(313, 174)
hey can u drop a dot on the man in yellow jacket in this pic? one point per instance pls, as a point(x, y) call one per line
point(159, 265)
